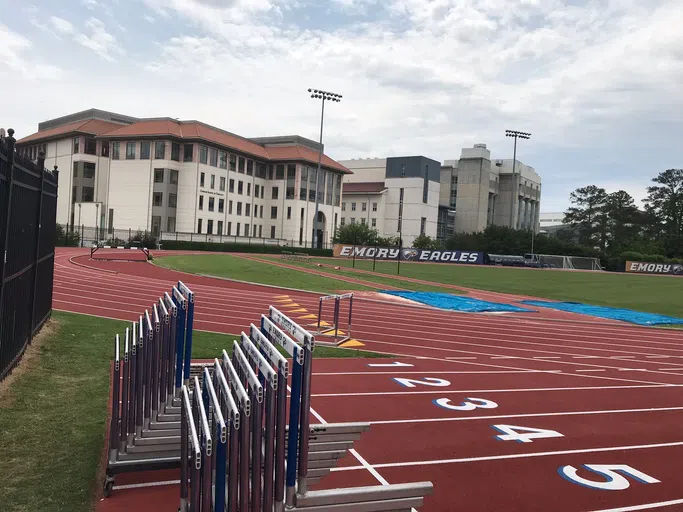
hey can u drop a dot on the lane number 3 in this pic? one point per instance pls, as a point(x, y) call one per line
point(469, 405)
point(614, 476)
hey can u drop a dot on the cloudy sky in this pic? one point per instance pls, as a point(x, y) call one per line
point(598, 83)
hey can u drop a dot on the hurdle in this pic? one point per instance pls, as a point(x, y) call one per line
point(150, 368)
point(333, 330)
point(115, 256)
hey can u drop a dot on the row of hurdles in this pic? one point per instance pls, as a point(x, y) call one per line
point(223, 423)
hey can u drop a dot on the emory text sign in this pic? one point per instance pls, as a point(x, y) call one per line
point(410, 254)
point(643, 267)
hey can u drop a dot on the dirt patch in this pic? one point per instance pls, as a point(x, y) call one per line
point(31, 358)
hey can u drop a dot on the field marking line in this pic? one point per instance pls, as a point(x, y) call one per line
point(527, 415)
point(398, 372)
point(146, 484)
point(512, 456)
point(644, 506)
point(513, 390)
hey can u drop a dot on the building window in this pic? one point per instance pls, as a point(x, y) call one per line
point(343, 221)
point(289, 212)
point(172, 200)
point(188, 150)
point(220, 228)
point(260, 172)
point(250, 167)
point(158, 175)
point(75, 169)
point(202, 176)
point(272, 231)
point(90, 146)
point(230, 207)
point(170, 224)
point(256, 190)
point(115, 150)
point(173, 179)
point(247, 209)
point(221, 205)
point(87, 194)
point(263, 188)
point(260, 231)
point(213, 182)
point(279, 172)
point(423, 225)
point(240, 167)
point(362, 221)
point(343, 206)
point(425, 185)
point(261, 215)
point(231, 188)
point(249, 189)
point(271, 172)
point(454, 191)
point(105, 149)
point(199, 225)
point(88, 170)
point(373, 222)
point(203, 154)
point(156, 225)
point(239, 208)
point(130, 150)
point(246, 230)
point(273, 212)
point(238, 229)
point(374, 207)
point(233, 162)
point(337, 190)
point(223, 160)
point(353, 220)
point(240, 187)
point(364, 207)
point(400, 209)
point(303, 188)
point(353, 207)
point(211, 203)
point(229, 228)
point(290, 191)
point(144, 150)
point(77, 144)
point(209, 227)
point(275, 192)
point(222, 184)
point(213, 157)
point(158, 199)
point(201, 202)
point(160, 150)
point(175, 151)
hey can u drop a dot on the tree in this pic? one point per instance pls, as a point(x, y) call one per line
point(588, 216)
point(425, 242)
point(665, 204)
point(356, 234)
point(623, 220)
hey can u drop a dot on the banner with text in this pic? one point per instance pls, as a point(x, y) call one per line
point(643, 267)
point(392, 253)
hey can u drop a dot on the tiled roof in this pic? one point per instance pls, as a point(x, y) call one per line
point(362, 188)
point(87, 126)
point(303, 153)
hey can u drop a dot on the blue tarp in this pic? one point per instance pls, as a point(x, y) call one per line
point(626, 315)
point(455, 302)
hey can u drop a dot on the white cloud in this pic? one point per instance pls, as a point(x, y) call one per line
point(14, 56)
point(61, 25)
point(595, 81)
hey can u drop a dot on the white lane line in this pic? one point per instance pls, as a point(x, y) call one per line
point(586, 357)
point(644, 506)
point(547, 357)
point(528, 415)
point(623, 357)
point(512, 456)
point(671, 369)
point(632, 370)
point(657, 357)
point(146, 484)
point(503, 357)
point(445, 372)
point(591, 370)
point(516, 390)
point(453, 357)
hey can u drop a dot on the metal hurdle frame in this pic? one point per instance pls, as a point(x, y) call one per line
point(327, 331)
point(95, 246)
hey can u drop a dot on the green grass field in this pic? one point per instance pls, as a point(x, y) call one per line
point(233, 267)
point(53, 415)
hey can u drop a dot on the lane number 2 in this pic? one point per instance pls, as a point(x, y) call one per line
point(469, 405)
point(427, 381)
point(614, 476)
point(523, 434)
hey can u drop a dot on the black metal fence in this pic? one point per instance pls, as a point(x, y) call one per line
point(28, 207)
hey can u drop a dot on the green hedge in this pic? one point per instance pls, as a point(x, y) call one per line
point(232, 247)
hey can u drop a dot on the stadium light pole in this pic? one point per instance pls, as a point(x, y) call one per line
point(521, 135)
point(324, 96)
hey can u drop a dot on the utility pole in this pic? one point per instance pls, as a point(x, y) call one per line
point(514, 193)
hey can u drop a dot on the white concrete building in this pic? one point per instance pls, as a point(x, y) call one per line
point(165, 175)
point(397, 195)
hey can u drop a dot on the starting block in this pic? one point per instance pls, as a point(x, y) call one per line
point(332, 330)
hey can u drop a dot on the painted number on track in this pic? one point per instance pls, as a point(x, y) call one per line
point(523, 434)
point(469, 405)
point(614, 480)
point(427, 381)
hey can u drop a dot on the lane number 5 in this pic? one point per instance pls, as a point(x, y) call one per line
point(614, 476)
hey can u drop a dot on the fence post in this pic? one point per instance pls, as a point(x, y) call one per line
point(39, 213)
point(3, 257)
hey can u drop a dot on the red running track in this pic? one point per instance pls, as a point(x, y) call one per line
point(601, 393)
